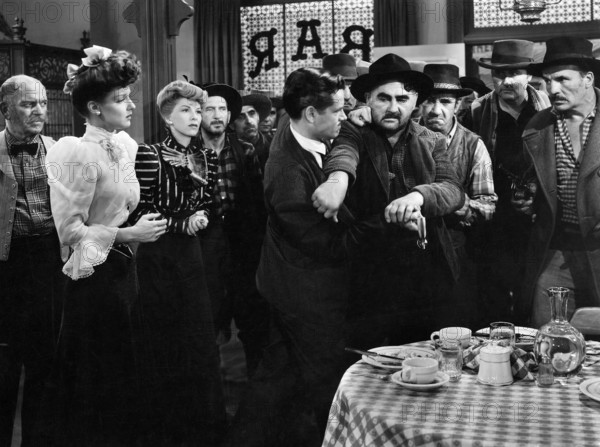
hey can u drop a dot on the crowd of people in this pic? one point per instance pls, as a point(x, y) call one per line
point(355, 210)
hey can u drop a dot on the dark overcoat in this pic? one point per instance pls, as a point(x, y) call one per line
point(538, 142)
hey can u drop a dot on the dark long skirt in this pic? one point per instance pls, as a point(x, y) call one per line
point(180, 363)
point(96, 393)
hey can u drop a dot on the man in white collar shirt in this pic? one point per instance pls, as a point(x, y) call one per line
point(30, 262)
point(303, 274)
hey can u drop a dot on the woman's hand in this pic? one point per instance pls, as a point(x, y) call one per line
point(148, 229)
point(196, 222)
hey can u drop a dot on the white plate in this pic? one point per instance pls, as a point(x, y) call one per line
point(402, 352)
point(520, 331)
point(591, 388)
point(441, 379)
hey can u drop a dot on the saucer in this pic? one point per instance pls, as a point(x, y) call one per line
point(441, 379)
point(591, 388)
point(402, 352)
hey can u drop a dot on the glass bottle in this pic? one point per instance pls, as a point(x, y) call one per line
point(545, 377)
point(557, 340)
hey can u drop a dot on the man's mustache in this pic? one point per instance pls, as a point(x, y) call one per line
point(392, 115)
point(217, 122)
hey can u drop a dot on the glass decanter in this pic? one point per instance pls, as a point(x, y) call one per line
point(558, 340)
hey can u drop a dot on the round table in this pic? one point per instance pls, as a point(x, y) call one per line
point(369, 411)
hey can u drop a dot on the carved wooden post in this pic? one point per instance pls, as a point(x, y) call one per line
point(157, 23)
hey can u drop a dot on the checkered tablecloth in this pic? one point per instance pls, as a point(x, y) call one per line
point(368, 411)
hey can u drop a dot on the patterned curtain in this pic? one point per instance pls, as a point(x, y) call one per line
point(218, 43)
point(395, 22)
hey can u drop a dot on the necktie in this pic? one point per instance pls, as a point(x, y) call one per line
point(30, 148)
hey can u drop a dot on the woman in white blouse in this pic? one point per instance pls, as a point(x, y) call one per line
point(93, 188)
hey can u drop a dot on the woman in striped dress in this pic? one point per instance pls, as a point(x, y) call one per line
point(180, 363)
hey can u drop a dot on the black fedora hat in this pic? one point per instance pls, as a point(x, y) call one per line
point(231, 95)
point(341, 64)
point(260, 102)
point(510, 53)
point(445, 79)
point(566, 50)
point(390, 68)
point(475, 84)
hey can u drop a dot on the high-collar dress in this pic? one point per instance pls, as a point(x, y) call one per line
point(93, 189)
point(180, 362)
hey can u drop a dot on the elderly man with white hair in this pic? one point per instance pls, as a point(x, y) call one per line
point(30, 262)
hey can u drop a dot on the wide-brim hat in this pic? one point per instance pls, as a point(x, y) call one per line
point(445, 79)
point(511, 53)
point(341, 64)
point(390, 68)
point(475, 84)
point(231, 95)
point(260, 102)
point(566, 50)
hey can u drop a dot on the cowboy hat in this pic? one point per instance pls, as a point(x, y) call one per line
point(390, 68)
point(341, 64)
point(231, 95)
point(512, 53)
point(565, 50)
point(475, 84)
point(260, 102)
point(445, 79)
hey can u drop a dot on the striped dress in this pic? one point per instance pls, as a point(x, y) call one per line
point(179, 360)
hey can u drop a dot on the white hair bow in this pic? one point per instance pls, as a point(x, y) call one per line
point(95, 55)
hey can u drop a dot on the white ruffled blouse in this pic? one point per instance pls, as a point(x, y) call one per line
point(93, 188)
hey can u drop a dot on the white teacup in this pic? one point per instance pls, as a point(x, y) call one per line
point(456, 333)
point(419, 370)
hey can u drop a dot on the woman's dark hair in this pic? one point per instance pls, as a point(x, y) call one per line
point(119, 70)
point(307, 87)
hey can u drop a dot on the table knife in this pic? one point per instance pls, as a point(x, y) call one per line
point(373, 354)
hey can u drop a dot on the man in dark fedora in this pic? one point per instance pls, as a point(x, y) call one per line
point(402, 169)
point(479, 89)
point(563, 143)
point(231, 242)
point(255, 108)
point(473, 166)
point(500, 117)
point(344, 65)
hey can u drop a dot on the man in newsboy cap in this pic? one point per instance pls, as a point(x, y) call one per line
point(401, 169)
point(563, 143)
point(499, 117)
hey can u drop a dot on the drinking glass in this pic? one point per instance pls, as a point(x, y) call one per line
point(502, 333)
point(451, 359)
